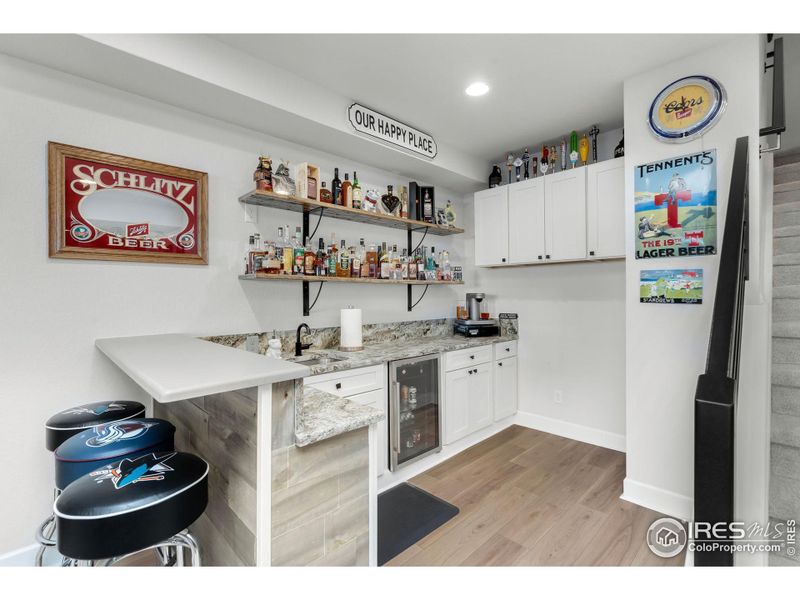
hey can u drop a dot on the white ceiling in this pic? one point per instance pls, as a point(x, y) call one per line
point(542, 85)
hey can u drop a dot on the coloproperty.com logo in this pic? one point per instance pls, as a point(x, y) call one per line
point(667, 537)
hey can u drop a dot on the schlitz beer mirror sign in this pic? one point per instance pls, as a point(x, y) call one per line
point(675, 202)
point(686, 108)
point(374, 124)
point(109, 207)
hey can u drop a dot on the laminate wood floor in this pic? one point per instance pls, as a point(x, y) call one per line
point(531, 498)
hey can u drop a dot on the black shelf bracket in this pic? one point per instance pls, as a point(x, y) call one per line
point(411, 250)
point(306, 295)
point(411, 303)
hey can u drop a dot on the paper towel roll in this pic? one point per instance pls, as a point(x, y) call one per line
point(350, 333)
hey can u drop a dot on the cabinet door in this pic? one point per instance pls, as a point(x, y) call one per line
point(377, 399)
point(480, 397)
point(565, 211)
point(505, 388)
point(605, 207)
point(526, 221)
point(456, 405)
point(491, 227)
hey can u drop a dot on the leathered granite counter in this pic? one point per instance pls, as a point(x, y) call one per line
point(320, 415)
point(380, 352)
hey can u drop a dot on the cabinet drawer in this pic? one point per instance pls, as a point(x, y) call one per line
point(505, 349)
point(467, 357)
point(350, 382)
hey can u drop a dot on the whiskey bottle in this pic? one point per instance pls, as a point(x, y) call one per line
point(355, 261)
point(372, 261)
point(343, 268)
point(333, 257)
point(336, 187)
point(347, 192)
point(412, 266)
point(288, 253)
point(363, 259)
point(325, 194)
point(427, 207)
point(309, 260)
point(384, 263)
point(299, 253)
point(356, 192)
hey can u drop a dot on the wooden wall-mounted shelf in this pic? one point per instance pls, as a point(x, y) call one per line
point(273, 200)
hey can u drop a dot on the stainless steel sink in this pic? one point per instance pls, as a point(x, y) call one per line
point(311, 361)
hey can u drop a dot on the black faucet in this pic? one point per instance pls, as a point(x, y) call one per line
point(298, 346)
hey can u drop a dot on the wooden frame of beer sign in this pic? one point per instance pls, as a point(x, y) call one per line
point(105, 206)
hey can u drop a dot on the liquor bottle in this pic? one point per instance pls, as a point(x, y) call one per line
point(272, 265)
point(355, 260)
point(384, 263)
point(248, 270)
point(427, 207)
point(356, 192)
point(333, 257)
point(336, 187)
point(343, 268)
point(447, 272)
point(325, 194)
point(279, 249)
point(390, 202)
point(288, 253)
point(309, 260)
point(321, 262)
point(412, 265)
point(421, 264)
point(430, 265)
point(404, 265)
point(397, 267)
point(347, 192)
point(363, 259)
point(372, 261)
point(299, 253)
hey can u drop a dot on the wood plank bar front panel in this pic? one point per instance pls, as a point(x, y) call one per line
point(221, 429)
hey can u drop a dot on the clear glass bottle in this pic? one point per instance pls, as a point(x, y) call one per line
point(288, 253)
point(343, 267)
point(372, 261)
point(412, 265)
point(404, 264)
point(355, 261)
point(299, 253)
point(384, 262)
point(309, 260)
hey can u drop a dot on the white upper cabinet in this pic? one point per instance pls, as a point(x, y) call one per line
point(565, 210)
point(526, 217)
point(491, 227)
point(605, 205)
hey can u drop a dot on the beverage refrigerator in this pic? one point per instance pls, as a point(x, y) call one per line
point(415, 413)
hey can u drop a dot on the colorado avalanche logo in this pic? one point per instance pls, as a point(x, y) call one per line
point(144, 468)
point(117, 432)
point(81, 233)
point(186, 241)
point(97, 410)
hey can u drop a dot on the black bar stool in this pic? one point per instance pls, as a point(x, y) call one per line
point(130, 506)
point(66, 424)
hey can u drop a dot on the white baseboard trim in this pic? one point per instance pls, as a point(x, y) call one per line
point(657, 499)
point(21, 557)
point(582, 433)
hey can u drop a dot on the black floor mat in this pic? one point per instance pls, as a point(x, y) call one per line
point(406, 514)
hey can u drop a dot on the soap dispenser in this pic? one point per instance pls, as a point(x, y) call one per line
point(274, 346)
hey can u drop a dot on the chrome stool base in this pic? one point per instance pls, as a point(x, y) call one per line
point(170, 552)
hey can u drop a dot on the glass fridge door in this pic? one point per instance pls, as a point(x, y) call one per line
point(415, 413)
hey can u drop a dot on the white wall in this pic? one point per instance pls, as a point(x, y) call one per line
point(666, 344)
point(790, 140)
point(52, 310)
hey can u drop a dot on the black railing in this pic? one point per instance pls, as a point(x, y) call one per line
point(715, 398)
point(778, 125)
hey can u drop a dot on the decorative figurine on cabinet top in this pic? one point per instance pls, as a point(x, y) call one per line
point(553, 158)
point(509, 164)
point(517, 165)
point(263, 174)
point(526, 157)
point(545, 165)
point(563, 154)
point(535, 166)
point(282, 182)
point(619, 151)
point(496, 178)
point(573, 148)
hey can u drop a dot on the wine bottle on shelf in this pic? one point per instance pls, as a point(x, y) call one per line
point(333, 257)
point(347, 192)
point(357, 197)
point(336, 187)
point(321, 262)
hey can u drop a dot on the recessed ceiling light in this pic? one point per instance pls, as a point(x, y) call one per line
point(477, 89)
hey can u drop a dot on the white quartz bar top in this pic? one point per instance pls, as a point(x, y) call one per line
point(320, 415)
point(172, 367)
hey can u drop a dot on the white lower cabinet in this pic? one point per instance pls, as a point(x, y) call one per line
point(505, 387)
point(467, 401)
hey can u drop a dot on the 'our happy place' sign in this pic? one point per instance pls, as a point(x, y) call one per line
point(374, 124)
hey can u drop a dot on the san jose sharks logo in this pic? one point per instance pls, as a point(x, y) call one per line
point(143, 468)
point(117, 432)
point(97, 410)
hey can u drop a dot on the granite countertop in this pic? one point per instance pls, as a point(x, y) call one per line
point(376, 353)
point(320, 415)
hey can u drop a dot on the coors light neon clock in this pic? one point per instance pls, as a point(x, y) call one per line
point(687, 108)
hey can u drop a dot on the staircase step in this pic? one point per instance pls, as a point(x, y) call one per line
point(786, 329)
point(785, 218)
point(785, 309)
point(786, 291)
point(785, 461)
point(786, 187)
point(787, 173)
point(783, 199)
point(785, 401)
point(784, 497)
point(788, 258)
point(785, 245)
point(786, 430)
point(785, 351)
point(789, 231)
point(786, 376)
point(786, 275)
